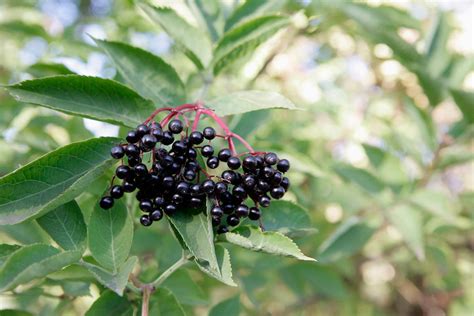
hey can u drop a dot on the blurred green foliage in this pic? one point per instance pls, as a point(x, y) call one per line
point(382, 152)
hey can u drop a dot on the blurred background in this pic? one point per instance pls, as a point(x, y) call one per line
point(382, 152)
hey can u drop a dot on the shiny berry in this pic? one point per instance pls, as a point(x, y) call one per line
point(170, 209)
point(250, 162)
point(264, 201)
point(133, 161)
point(233, 163)
point(182, 188)
point(242, 210)
point(175, 126)
point(268, 172)
point(140, 169)
point(277, 177)
point(249, 181)
point(142, 129)
point(195, 202)
point(145, 220)
point(222, 229)
point(285, 183)
point(168, 138)
point(209, 133)
point(212, 162)
point(159, 201)
point(168, 182)
point(208, 186)
point(263, 185)
point(207, 151)
point(229, 176)
point(156, 215)
point(195, 189)
point(216, 211)
point(189, 175)
point(254, 213)
point(132, 137)
point(277, 193)
point(128, 186)
point(177, 199)
point(149, 141)
point(123, 172)
point(146, 205)
point(239, 192)
point(106, 202)
point(233, 220)
point(179, 147)
point(191, 153)
point(216, 220)
point(157, 132)
point(196, 138)
point(228, 208)
point(221, 187)
point(117, 152)
point(283, 165)
point(116, 192)
point(271, 158)
point(224, 154)
point(132, 150)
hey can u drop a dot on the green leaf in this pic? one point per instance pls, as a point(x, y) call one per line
point(52, 180)
point(247, 101)
point(164, 303)
point(305, 278)
point(454, 157)
point(423, 122)
point(185, 288)
point(270, 242)
point(6, 250)
point(208, 13)
point(32, 262)
point(375, 154)
point(437, 53)
point(148, 74)
point(26, 233)
point(197, 234)
point(110, 303)
point(228, 307)
point(225, 267)
point(76, 288)
point(434, 88)
point(114, 281)
point(435, 202)
point(110, 235)
point(346, 240)
point(91, 97)
point(74, 272)
point(195, 44)
point(360, 177)
point(242, 41)
point(408, 221)
point(46, 70)
point(465, 102)
point(66, 226)
point(251, 8)
point(287, 218)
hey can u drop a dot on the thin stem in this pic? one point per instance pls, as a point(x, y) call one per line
point(146, 300)
point(230, 141)
point(196, 120)
point(178, 264)
point(244, 142)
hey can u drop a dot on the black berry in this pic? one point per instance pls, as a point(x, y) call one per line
point(224, 154)
point(116, 192)
point(117, 152)
point(106, 202)
point(209, 133)
point(175, 126)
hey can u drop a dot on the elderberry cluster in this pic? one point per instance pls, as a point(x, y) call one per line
point(162, 165)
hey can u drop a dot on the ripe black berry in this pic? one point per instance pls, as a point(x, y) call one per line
point(123, 172)
point(221, 187)
point(170, 209)
point(159, 201)
point(277, 193)
point(228, 208)
point(117, 152)
point(271, 158)
point(106, 202)
point(133, 161)
point(229, 176)
point(254, 213)
point(216, 220)
point(209, 133)
point(116, 192)
point(168, 138)
point(224, 154)
point(182, 188)
point(250, 162)
point(177, 199)
point(239, 193)
point(142, 129)
point(140, 169)
point(263, 185)
point(196, 138)
point(157, 132)
point(132, 150)
point(276, 179)
point(149, 141)
point(156, 215)
point(146, 205)
point(195, 202)
point(283, 165)
point(233, 220)
point(132, 137)
point(222, 229)
point(175, 126)
point(179, 147)
point(233, 163)
point(249, 181)
point(268, 172)
point(212, 162)
point(207, 151)
point(264, 201)
point(208, 186)
point(285, 183)
point(195, 189)
point(168, 182)
point(145, 220)
point(216, 211)
point(189, 175)
point(242, 210)
point(192, 153)
point(128, 186)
